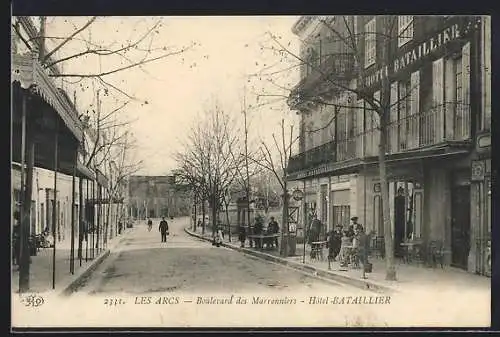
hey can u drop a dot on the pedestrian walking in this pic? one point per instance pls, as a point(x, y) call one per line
point(150, 225)
point(163, 228)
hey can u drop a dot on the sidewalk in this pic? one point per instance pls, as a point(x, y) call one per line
point(409, 277)
point(41, 267)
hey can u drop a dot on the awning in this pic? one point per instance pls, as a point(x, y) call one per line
point(84, 172)
point(27, 71)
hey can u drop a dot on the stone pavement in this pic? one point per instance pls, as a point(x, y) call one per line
point(41, 267)
point(410, 277)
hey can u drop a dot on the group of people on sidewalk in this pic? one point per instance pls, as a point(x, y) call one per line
point(350, 245)
point(272, 228)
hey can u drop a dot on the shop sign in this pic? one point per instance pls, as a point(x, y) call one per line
point(415, 54)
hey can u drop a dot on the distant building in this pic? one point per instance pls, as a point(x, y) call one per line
point(156, 196)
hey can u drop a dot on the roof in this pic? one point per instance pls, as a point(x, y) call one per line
point(27, 71)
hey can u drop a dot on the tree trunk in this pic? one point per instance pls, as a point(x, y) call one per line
point(384, 184)
point(227, 220)
point(214, 214)
point(203, 214)
point(195, 224)
point(108, 228)
point(284, 221)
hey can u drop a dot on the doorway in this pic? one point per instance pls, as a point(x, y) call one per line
point(460, 226)
point(399, 223)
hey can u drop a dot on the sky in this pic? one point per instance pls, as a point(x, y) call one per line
point(179, 88)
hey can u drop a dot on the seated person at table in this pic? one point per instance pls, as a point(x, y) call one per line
point(273, 228)
point(345, 249)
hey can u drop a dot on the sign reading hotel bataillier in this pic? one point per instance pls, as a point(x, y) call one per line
point(415, 54)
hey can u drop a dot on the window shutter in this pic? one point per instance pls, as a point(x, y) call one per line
point(376, 126)
point(464, 111)
point(360, 111)
point(435, 119)
point(414, 131)
point(449, 97)
point(392, 128)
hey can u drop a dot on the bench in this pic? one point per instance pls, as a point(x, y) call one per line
point(264, 239)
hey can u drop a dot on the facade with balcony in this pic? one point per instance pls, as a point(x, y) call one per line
point(438, 130)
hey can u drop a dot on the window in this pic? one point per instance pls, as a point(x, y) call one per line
point(405, 29)
point(341, 215)
point(370, 42)
point(312, 60)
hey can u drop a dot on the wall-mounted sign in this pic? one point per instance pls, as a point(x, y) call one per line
point(376, 188)
point(415, 54)
point(477, 170)
point(297, 195)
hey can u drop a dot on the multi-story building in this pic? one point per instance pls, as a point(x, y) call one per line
point(438, 127)
point(25, 46)
point(156, 196)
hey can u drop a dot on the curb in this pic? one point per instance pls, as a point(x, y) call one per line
point(313, 271)
point(73, 284)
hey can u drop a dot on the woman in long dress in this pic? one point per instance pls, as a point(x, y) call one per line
point(345, 249)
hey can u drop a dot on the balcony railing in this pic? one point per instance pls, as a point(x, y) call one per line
point(337, 67)
point(444, 123)
point(448, 122)
point(313, 157)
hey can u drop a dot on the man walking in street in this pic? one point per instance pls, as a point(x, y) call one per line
point(163, 228)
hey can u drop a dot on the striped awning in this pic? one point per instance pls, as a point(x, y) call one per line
point(27, 71)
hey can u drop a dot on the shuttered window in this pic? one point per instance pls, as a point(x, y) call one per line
point(414, 109)
point(370, 42)
point(392, 128)
point(405, 29)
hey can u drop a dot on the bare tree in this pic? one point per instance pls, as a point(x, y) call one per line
point(277, 166)
point(131, 52)
point(207, 162)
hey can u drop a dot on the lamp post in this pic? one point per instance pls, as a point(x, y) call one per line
point(312, 210)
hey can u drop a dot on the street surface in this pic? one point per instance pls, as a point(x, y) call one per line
point(143, 264)
point(187, 282)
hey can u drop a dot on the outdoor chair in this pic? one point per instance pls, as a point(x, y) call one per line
point(379, 247)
